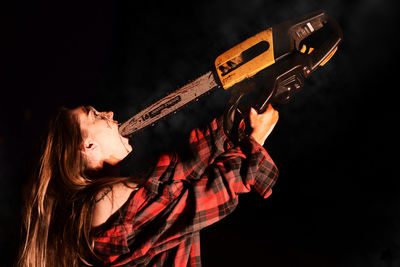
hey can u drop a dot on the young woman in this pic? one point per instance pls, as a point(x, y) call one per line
point(79, 211)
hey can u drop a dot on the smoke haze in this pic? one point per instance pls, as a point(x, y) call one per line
point(337, 198)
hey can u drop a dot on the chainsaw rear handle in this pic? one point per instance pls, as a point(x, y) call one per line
point(281, 81)
point(321, 55)
point(288, 36)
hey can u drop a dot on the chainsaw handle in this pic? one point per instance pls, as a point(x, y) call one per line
point(308, 25)
point(322, 54)
point(288, 36)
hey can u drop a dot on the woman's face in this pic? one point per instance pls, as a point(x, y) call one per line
point(102, 141)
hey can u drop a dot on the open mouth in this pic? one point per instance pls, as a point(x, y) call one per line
point(124, 140)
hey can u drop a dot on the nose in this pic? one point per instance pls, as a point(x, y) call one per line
point(109, 115)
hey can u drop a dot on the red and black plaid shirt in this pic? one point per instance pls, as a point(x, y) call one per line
point(160, 223)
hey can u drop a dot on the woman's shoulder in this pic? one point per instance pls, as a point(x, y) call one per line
point(109, 200)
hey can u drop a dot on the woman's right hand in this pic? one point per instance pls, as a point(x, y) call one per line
point(263, 123)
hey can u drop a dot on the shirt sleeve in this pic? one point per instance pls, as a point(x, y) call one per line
point(184, 195)
point(205, 146)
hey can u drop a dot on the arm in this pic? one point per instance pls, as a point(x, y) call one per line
point(206, 144)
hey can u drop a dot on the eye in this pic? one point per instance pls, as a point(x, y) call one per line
point(97, 114)
point(100, 115)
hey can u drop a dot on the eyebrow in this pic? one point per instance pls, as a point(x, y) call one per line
point(87, 109)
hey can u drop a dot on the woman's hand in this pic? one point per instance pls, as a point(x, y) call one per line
point(263, 124)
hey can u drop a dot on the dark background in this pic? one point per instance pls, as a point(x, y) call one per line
point(336, 201)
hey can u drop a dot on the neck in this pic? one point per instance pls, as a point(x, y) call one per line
point(108, 170)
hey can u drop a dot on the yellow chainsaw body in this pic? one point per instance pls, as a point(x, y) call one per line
point(232, 67)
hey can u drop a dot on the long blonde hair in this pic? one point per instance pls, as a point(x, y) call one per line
point(59, 202)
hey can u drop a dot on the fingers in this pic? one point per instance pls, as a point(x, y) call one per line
point(269, 115)
point(263, 123)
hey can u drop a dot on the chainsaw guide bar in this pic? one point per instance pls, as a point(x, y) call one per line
point(169, 104)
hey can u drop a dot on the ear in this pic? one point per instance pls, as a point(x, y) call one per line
point(92, 153)
point(90, 145)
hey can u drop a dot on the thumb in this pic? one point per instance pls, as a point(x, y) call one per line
point(253, 111)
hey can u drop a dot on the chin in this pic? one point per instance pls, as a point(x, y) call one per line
point(125, 143)
point(127, 146)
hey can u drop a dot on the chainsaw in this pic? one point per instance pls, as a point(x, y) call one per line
point(267, 68)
